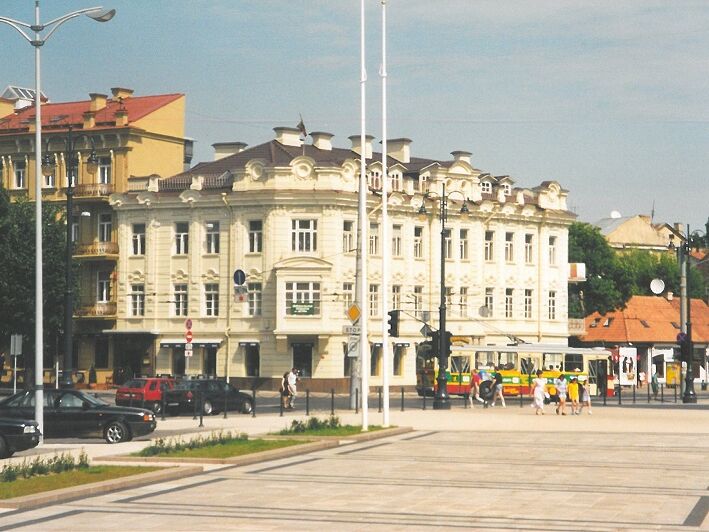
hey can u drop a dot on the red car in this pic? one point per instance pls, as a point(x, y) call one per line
point(144, 392)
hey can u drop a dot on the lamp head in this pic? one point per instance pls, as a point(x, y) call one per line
point(422, 210)
point(101, 15)
point(464, 209)
point(47, 164)
point(92, 163)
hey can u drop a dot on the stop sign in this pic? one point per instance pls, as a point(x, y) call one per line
point(188, 337)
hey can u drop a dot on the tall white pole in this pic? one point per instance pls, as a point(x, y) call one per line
point(39, 295)
point(386, 245)
point(363, 222)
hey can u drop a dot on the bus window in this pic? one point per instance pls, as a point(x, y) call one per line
point(508, 360)
point(460, 364)
point(485, 359)
point(552, 361)
point(573, 362)
point(527, 367)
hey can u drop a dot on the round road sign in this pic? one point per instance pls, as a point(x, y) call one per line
point(188, 324)
point(188, 337)
point(239, 277)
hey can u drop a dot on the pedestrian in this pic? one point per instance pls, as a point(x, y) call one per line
point(284, 390)
point(655, 384)
point(585, 391)
point(476, 379)
point(497, 388)
point(2, 365)
point(292, 381)
point(539, 393)
point(574, 396)
point(561, 388)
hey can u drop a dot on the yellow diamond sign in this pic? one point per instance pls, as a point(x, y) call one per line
point(353, 313)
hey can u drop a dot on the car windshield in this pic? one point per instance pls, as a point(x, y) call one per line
point(93, 399)
point(134, 383)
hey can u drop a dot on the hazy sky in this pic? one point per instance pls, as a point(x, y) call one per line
point(608, 97)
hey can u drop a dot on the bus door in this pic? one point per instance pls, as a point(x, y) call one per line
point(459, 374)
point(528, 368)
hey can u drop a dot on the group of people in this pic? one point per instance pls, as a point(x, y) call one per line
point(577, 393)
point(477, 379)
point(288, 388)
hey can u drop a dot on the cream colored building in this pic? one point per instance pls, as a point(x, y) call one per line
point(286, 214)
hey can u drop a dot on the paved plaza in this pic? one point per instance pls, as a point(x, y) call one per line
point(623, 468)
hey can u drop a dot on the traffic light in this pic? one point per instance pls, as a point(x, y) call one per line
point(394, 322)
point(685, 346)
point(447, 344)
point(435, 343)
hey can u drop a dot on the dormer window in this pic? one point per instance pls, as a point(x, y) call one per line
point(486, 187)
point(375, 180)
point(507, 189)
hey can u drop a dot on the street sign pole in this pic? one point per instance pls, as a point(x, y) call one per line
point(188, 344)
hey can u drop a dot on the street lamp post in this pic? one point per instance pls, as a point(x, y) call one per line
point(72, 162)
point(37, 40)
point(441, 400)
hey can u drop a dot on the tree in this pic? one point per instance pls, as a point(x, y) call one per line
point(17, 270)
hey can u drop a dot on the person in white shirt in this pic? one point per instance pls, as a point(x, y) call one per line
point(292, 380)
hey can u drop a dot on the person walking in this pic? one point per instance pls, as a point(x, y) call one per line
point(561, 389)
point(539, 393)
point(284, 390)
point(497, 388)
point(476, 379)
point(585, 391)
point(292, 381)
point(655, 384)
point(574, 396)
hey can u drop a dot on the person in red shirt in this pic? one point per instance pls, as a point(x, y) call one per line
point(475, 387)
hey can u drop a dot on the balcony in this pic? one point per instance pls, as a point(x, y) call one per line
point(577, 327)
point(93, 190)
point(97, 310)
point(96, 250)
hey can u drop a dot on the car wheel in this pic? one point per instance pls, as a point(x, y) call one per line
point(246, 407)
point(116, 432)
point(486, 390)
point(157, 408)
point(207, 408)
point(5, 451)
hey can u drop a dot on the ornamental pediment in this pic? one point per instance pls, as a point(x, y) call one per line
point(302, 263)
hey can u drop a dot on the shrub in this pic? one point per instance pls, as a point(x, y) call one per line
point(313, 424)
point(161, 446)
point(43, 466)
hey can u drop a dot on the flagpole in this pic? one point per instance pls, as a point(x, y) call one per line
point(386, 245)
point(362, 214)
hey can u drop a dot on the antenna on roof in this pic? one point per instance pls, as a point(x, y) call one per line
point(652, 212)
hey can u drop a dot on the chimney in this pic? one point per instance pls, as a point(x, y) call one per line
point(98, 101)
point(89, 119)
point(120, 92)
point(399, 149)
point(355, 139)
point(461, 156)
point(7, 107)
point(322, 140)
point(288, 136)
point(670, 295)
point(225, 149)
point(121, 117)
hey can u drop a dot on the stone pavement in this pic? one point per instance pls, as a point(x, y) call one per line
point(629, 468)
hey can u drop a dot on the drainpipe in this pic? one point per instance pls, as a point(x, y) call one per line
point(227, 329)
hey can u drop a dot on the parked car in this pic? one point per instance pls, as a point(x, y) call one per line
point(189, 394)
point(17, 435)
point(145, 392)
point(76, 414)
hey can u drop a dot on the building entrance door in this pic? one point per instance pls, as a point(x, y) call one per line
point(303, 359)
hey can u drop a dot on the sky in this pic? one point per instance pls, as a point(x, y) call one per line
point(607, 97)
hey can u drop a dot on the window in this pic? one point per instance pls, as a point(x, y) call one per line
point(256, 236)
point(103, 287)
point(398, 361)
point(395, 181)
point(50, 180)
point(374, 300)
point(104, 170)
point(507, 189)
point(447, 244)
point(449, 296)
point(255, 299)
point(20, 167)
point(463, 300)
point(486, 187)
point(348, 236)
point(211, 299)
point(552, 251)
point(424, 183)
point(74, 229)
point(303, 293)
point(105, 227)
point(552, 304)
point(137, 300)
point(396, 241)
point(528, 248)
point(375, 361)
point(489, 246)
point(418, 298)
point(489, 300)
point(528, 303)
point(182, 238)
point(596, 321)
point(180, 300)
point(396, 297)
point(304, 235)
point(463, 242)
point(252, 360)
point(374, 239)
point(375, 180)
point(347, 295)
point(509, 292)
point(607, 322)
point(418, 242)
point(138, 239)
point(212, 243)
point(509, 247)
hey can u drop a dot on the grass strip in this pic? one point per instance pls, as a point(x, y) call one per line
point(229, 449)
point(66, 479)
point(343, 430)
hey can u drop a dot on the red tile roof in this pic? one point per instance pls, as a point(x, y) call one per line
point(647, 319)
point(58, 116)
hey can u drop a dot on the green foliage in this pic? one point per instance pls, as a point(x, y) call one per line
point(172, 445)
point(312, 424)
point(41, 466)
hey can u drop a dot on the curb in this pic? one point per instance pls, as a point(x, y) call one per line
point(343, 440)
point(99, 488)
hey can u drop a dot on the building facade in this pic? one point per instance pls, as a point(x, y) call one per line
point(285, 213)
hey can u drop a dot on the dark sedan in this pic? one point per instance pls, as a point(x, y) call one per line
point(17, 435)
point(75, 414)
point(212, 395)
